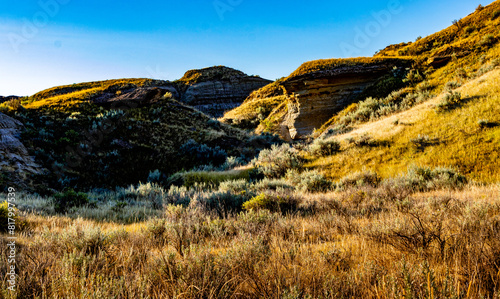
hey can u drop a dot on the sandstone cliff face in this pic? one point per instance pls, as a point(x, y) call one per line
point(217, 89)
point(15, 162)
point(313, 98)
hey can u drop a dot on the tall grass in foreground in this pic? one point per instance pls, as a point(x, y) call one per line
point(372, 240)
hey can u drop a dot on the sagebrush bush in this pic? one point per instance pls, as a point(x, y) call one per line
point(484, 123)
point(194, 154)
point(373, 108)
point(424, 86)
point(211, 179)
point(324, 147)
point(154, 176)
point(179, 195)
point(449, 101)
point(488, 40)
point(272, 184)
point(274, 202)
point(69, 199)
point(222, 203)
point(274, 162)
point(495, 14)
point(310, 181)
point(84, 240)
point(359, 179)
point(450, 85)
point(234, 186)
point(426, 178)
point(4, 216)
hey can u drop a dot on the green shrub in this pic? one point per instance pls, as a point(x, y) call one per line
point(488, 40)
point(222, 203)
point(359, 179)
point(413, 77)
point(272, 202)
point(193, 154)
point(310, 181)
point(426, 178)
point(69, 199)
point(261, 201)
point(450, 101)
point(324, 147)
point(272, 184)
point(234, 186)
point(469, 29)
point(495, 14)
point(210, 179)
point(4, 216)
point(274, 162)
point(424, 86)
point(484, 123)
point(452, 85)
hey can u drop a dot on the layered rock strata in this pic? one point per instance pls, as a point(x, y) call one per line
point(313, 98)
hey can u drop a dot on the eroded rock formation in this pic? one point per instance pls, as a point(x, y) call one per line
point(15, 162)
point(313, 98)
point(217, 89)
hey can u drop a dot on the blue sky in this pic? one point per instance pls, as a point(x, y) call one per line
point(54, 42)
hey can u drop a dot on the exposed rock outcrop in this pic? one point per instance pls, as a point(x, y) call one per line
point(212, 90)
point(314, 97)
point(140, 96)
point(15, 162)
point(218, 89)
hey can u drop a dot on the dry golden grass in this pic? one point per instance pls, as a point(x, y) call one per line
point(66, 96)
point(452, 138)
point(359, 243)
point(463, 36)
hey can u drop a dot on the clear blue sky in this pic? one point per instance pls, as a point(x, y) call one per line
point(54, 42)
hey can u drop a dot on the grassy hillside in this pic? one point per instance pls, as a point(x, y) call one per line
point(256, 107)
point(331, 64)
point(450, 118)
point(466, 135)
point(457, 51)
point(466, 35)
point(68, 96)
